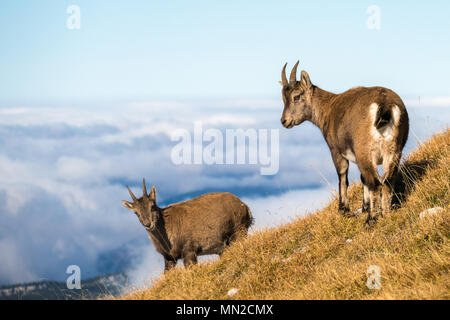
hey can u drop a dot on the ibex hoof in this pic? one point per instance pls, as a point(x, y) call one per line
point(344, 211)
point(370, 223)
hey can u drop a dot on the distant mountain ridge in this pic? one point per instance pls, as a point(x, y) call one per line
point(93, 288)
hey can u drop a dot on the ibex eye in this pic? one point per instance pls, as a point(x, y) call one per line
point(296, 98)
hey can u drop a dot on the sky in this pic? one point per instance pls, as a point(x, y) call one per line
point(85, 112)
point(147, 50)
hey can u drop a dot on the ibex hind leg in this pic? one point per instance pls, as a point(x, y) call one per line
point(375, 206)
point(390, 168)
point(365, 199)
point(370, 176)
point(240, 233)
point(169, 264)
point(189, 259)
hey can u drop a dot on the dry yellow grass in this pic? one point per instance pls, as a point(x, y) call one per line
point(311, 258)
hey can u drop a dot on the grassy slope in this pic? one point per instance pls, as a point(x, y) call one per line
point(311, 259)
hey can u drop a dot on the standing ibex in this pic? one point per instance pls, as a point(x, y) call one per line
point(203, 225)
point(368, 126)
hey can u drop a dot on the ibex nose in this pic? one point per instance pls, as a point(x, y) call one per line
point(286, 122)
point(149, 226)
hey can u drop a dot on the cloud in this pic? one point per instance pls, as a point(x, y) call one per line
point(13, 266)
point(272, 211)
point(427, 102)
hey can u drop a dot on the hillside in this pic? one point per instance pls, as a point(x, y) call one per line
point(326, 256)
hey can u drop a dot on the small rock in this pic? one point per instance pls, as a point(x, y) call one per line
point(276, 259)
point(232, 292)
point(300, 250)
point(348, 240)
point(431, 212)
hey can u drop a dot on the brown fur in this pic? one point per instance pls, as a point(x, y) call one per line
point(369, 126)
point(204, 225)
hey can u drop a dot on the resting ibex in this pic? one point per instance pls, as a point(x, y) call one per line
point(203, 225)
point(368, 126)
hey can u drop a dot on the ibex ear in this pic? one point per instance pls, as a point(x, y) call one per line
point(305, 79)
point(127, 205)
point(282, 83)
point(152, 194)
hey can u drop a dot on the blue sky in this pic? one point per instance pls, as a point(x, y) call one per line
point(147, 50)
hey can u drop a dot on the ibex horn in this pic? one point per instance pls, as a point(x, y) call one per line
point(293, 76)
point(131, 194)
point(144, 188)
point(283, 76)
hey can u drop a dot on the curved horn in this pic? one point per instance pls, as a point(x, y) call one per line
point(293, 76)
point(283, 76)
point(144, 189)
point(131, 194)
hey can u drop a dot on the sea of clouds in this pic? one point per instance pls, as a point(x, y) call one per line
point(63, 172)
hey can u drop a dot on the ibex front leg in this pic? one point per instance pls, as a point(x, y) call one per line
point(169, 263)
point(370, 176)
point(189, 259)
point(341, 165)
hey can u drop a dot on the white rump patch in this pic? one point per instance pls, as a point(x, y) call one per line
point(388, 131)
point(396, 115)
point(383, 139)
point(373, 110)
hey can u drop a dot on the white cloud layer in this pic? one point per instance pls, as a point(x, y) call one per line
point(428, 102)
point(63, 173)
